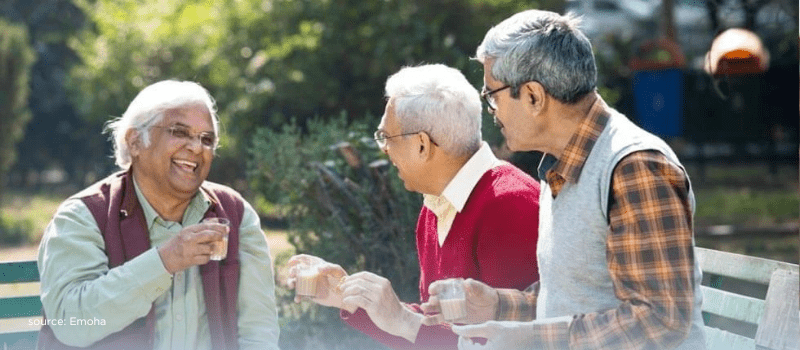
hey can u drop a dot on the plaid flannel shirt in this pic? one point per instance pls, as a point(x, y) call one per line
point(649, 252)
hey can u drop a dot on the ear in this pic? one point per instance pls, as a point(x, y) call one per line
point(425, 144)
point(134, 141)
point(534, 97)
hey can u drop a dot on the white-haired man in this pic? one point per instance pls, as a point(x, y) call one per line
point(480, 215)
point(125, 263)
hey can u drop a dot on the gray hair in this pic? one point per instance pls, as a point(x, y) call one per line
point(149, 107)
point(545, 47)
point(440, 101)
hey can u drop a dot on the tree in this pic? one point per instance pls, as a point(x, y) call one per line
point(55, 137)
point(16, 60)
point(267, 62)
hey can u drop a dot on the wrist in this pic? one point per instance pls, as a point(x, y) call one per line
point(162, 253)
point(409, 325)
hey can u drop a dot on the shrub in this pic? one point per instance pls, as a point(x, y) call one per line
point(344, 203)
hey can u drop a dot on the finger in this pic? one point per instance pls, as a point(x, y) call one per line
point(436, 287)
point(349, 307)
point(299, 259)
point(206, 236)
point(368, 276)
point(332, 270)
point(431, 306)
point(471, 331)
point(357, 301)
point(433, 320)
point(290, 282)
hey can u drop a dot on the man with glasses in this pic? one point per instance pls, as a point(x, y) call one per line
point(616, 248)
point(126, 263)
point(478, 222)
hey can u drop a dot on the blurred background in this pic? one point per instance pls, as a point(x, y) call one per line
point(299, 89)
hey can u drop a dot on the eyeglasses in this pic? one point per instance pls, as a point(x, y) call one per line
point(489, 98)
point(380, 137)
point(207, 139)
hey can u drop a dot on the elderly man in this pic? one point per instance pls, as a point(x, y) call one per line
point(616, 262)
point(479, 219)
point(125, 264)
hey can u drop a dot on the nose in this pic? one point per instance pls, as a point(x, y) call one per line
point(194, 144)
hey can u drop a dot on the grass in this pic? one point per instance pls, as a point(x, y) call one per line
point(24, 216)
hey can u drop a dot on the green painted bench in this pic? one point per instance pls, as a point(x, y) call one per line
point(19, 306)
point(748, 302)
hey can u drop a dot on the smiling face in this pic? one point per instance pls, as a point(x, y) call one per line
point(172, 167)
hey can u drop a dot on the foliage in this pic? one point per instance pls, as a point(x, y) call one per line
point(267, 62)
point(56, 138)
point(14, 233)
point(343, 200)
point(16, 59)
point(746, 207)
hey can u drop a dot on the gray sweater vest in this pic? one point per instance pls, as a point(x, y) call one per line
point(574, 277)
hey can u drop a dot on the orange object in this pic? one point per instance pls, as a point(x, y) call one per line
point(737, 51)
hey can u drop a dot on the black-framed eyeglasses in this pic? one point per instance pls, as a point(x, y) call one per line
point(489, 98)
point(381, 136)
point(177, 131)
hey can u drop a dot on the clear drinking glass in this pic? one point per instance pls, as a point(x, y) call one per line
point(452, 300)
point(306, 284)
point(219, 249)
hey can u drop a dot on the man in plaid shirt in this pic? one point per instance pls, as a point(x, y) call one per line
point(616, 248)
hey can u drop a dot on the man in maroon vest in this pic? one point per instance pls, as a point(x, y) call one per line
point(127, 263)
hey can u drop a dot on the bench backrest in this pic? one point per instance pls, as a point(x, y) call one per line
point(19, 306)
point(748, 302)
point(731, 308)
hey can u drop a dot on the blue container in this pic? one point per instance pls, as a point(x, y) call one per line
point(658, 101)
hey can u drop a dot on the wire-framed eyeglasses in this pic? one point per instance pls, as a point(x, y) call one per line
point(489, 98)
point(180, 132)
point(381, 136)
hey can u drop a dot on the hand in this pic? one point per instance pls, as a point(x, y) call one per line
point(328, 291)
point(192, 246)
point(499, 334)
point(481, 300)
point(375, 295)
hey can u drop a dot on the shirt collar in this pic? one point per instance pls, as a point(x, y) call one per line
point(460, 187)
point(199, 204)
point(570, 164)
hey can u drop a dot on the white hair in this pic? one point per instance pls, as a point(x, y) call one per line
point(440, 101)
point(149, 107)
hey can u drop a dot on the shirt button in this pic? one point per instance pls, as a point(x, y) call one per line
point(179, 318)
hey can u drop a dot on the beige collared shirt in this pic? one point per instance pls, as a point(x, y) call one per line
point(455, 194)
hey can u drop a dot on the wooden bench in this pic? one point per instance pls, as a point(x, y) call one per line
point(748, 302)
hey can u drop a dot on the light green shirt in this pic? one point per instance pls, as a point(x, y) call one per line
point(88, 301)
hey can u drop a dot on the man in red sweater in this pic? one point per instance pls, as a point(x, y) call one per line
point(479, 220)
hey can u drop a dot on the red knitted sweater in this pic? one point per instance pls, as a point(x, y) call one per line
point(493, 240)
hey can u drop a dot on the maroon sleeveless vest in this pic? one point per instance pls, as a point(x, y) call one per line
point(115, 207)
